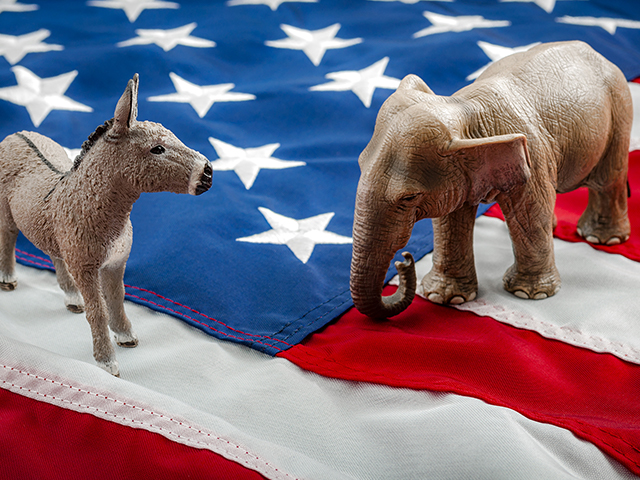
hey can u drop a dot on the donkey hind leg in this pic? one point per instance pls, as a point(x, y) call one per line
point(111, 279)
point(8, 236)
point(72, 296)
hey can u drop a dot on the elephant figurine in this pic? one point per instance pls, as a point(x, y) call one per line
point(534, 124)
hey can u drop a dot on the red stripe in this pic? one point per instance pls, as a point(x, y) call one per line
point(596, 396)
point(439, 348)
point(45, 442)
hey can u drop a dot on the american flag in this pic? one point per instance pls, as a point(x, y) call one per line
point(282, 97)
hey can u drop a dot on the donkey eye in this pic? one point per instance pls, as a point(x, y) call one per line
point(158, 150)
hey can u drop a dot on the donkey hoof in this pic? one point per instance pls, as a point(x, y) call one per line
point(111, 367)
point(75, 308)
point(127, 340)
point(8, 286)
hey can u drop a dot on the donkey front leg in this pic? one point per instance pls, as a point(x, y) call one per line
point(72, 297)
point(111, 279)
point(97, 316)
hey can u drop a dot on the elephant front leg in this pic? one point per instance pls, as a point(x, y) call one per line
point(111, 279)
point(452, 279)
point(533, 274)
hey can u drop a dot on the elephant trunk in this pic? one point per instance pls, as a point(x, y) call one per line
point(369, 264)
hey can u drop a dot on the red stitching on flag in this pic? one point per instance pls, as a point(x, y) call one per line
point(49, 265)
point(115, 415)
point(201, 314)
point(199, 322)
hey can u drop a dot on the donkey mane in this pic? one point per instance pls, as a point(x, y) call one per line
point(90, 142)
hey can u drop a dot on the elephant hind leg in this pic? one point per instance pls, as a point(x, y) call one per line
point(605, 220)
point(8, 236)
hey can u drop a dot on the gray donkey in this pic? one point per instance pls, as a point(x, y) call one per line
point(79, 214)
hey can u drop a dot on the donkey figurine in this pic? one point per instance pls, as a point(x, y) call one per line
point(79, 214)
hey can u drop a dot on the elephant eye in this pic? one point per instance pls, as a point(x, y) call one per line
point(158, 150)
point(410, 198)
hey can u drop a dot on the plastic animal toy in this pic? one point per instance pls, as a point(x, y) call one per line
point(78, 213)
point(545, 121)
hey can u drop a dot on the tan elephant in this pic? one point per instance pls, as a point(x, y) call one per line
point(534, 124)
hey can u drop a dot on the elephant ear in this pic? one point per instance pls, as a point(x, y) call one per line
point(413, 82)
point(494, 164)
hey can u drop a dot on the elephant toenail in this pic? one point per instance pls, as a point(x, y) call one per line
point(613, 241)
point(593, 239)
point(520, 294)
point(540, 296)
point(436, 298)
point(457, 300)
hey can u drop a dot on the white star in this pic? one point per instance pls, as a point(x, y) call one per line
point(497, 52)
point(361, 82)
point(247, 162)
point(301, 236)
point(15, 48)
point(546, 5)
point(608, 24)
point(272, 4)
point(41, 95)
point(14, 6)
point(201, 98)
point(72, 153)
point(132, 8)
point(168, 39)
point(313, 43)
point(443, 23)
point(411, 2)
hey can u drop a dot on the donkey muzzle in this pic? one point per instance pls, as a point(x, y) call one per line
point(206, 179)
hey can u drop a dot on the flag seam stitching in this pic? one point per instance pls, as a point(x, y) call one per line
point(151, 426)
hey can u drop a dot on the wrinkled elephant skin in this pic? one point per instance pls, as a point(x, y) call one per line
point(534, 124)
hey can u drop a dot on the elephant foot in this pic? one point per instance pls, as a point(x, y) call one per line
point(604, 230)
point(443, 290)
point(532, 286)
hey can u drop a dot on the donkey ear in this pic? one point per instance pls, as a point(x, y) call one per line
point(413, 82)
point(127, 108)
point(494, 163)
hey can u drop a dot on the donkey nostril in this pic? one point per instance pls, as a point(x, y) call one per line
point(208, 171)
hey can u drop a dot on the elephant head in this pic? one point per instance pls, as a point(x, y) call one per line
point(419, 164)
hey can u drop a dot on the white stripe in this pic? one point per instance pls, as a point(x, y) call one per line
point(635, 129)
point(203, 392)
point(596, 308)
